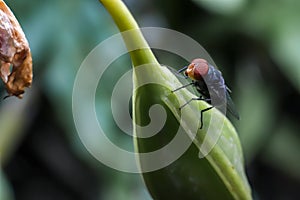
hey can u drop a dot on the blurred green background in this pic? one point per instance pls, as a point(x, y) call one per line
point(255, 43)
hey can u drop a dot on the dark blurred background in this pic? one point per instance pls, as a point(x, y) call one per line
point(256, 44)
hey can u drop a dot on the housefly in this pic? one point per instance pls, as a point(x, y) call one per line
point(211, 86)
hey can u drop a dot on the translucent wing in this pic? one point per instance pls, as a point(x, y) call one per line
point(229, 103)
point(231, 107)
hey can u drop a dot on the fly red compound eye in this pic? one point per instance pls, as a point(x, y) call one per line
point(210, 84)
point(200, 70)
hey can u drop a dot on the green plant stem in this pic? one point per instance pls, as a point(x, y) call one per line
point(125, 22)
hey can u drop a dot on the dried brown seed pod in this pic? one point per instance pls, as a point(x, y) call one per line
point(15, 55)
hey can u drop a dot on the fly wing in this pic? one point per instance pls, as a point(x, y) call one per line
point(229, 103)
point(231, 107)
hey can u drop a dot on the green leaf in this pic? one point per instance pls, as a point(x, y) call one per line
point(12, 122)
point(221, 6)
point(5, 192)
point(205, 163)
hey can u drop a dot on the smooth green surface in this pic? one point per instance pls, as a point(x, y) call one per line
point(189, 177)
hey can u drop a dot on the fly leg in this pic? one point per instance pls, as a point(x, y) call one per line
point(186, 103)
point(192, 83)
point(201, 115)
point(194, 99)
point(202, 111)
